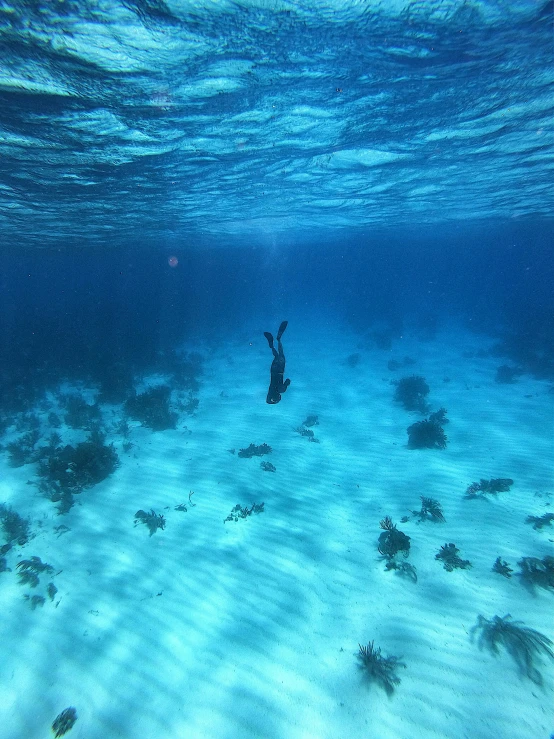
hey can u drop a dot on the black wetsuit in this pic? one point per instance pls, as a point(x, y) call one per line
point(277, 385)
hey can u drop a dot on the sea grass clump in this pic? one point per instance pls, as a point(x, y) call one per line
point(152, 408)
point(64, 721)
point(411, 392)
point(243, 512)
point(427, 434)
point(526, 646)
point(404, 569)
point(501, 567)
point(392, 541)
point(14, 527)
point(489, 487)
point(28, 571)
point(539, 522)
point(79, 414)
point(255, 451)
point(379, 669)
point(153, 521)
point(431, 510)
point(67, 471)
point(22, 450)
point(307, 434)
point(449, 556)
point(535, 571)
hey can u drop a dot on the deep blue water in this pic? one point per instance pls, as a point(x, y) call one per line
point(79, 313)
point(357, 160)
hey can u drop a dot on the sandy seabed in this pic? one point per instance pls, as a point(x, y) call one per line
point(250, 628)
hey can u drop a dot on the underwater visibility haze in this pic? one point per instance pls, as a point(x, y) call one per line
point(342, 528)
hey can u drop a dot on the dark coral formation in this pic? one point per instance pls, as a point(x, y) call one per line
point(379, 669)
point(22, 450)
point(431, 510)
point(411, 392)
point(28, 571)
point(403, 569)
point(255, 451)
point(14, 527)
point(311, 421)
point(540, 522)
point(152, 409)
point(307, 433)
point(492, 487)
point(79, 414)
point(439, 417)
point(529, 347)
point(64, 721)
point(66, 471)
point(392, 541)
point(153, 521)
point(523, 644)
point(305, 429)
point(428, 434)
point(449, 554)
point(34, 601)
point(239, 512)
point(501, 567)
point(535, 571)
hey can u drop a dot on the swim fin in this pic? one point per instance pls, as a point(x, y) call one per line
point(282, 328)
point(269, 338)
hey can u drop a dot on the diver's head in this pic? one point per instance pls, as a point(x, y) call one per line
point(273, 397)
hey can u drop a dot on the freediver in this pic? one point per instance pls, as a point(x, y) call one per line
point(276, 384)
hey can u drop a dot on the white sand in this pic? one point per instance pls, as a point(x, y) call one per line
point(250, 629)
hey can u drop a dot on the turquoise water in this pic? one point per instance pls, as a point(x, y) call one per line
point(176, 179)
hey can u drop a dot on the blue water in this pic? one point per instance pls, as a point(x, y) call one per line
point(78, 313)
point(176, 176)
point(194, 122)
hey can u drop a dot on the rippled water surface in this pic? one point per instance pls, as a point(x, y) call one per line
point(220, 119)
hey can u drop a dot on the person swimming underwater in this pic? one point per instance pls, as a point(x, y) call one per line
point(277, 385)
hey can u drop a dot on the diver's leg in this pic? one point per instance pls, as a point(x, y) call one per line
point(282, 328)
point(269, 338)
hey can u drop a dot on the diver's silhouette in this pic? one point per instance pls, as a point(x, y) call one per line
point(277, 385)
